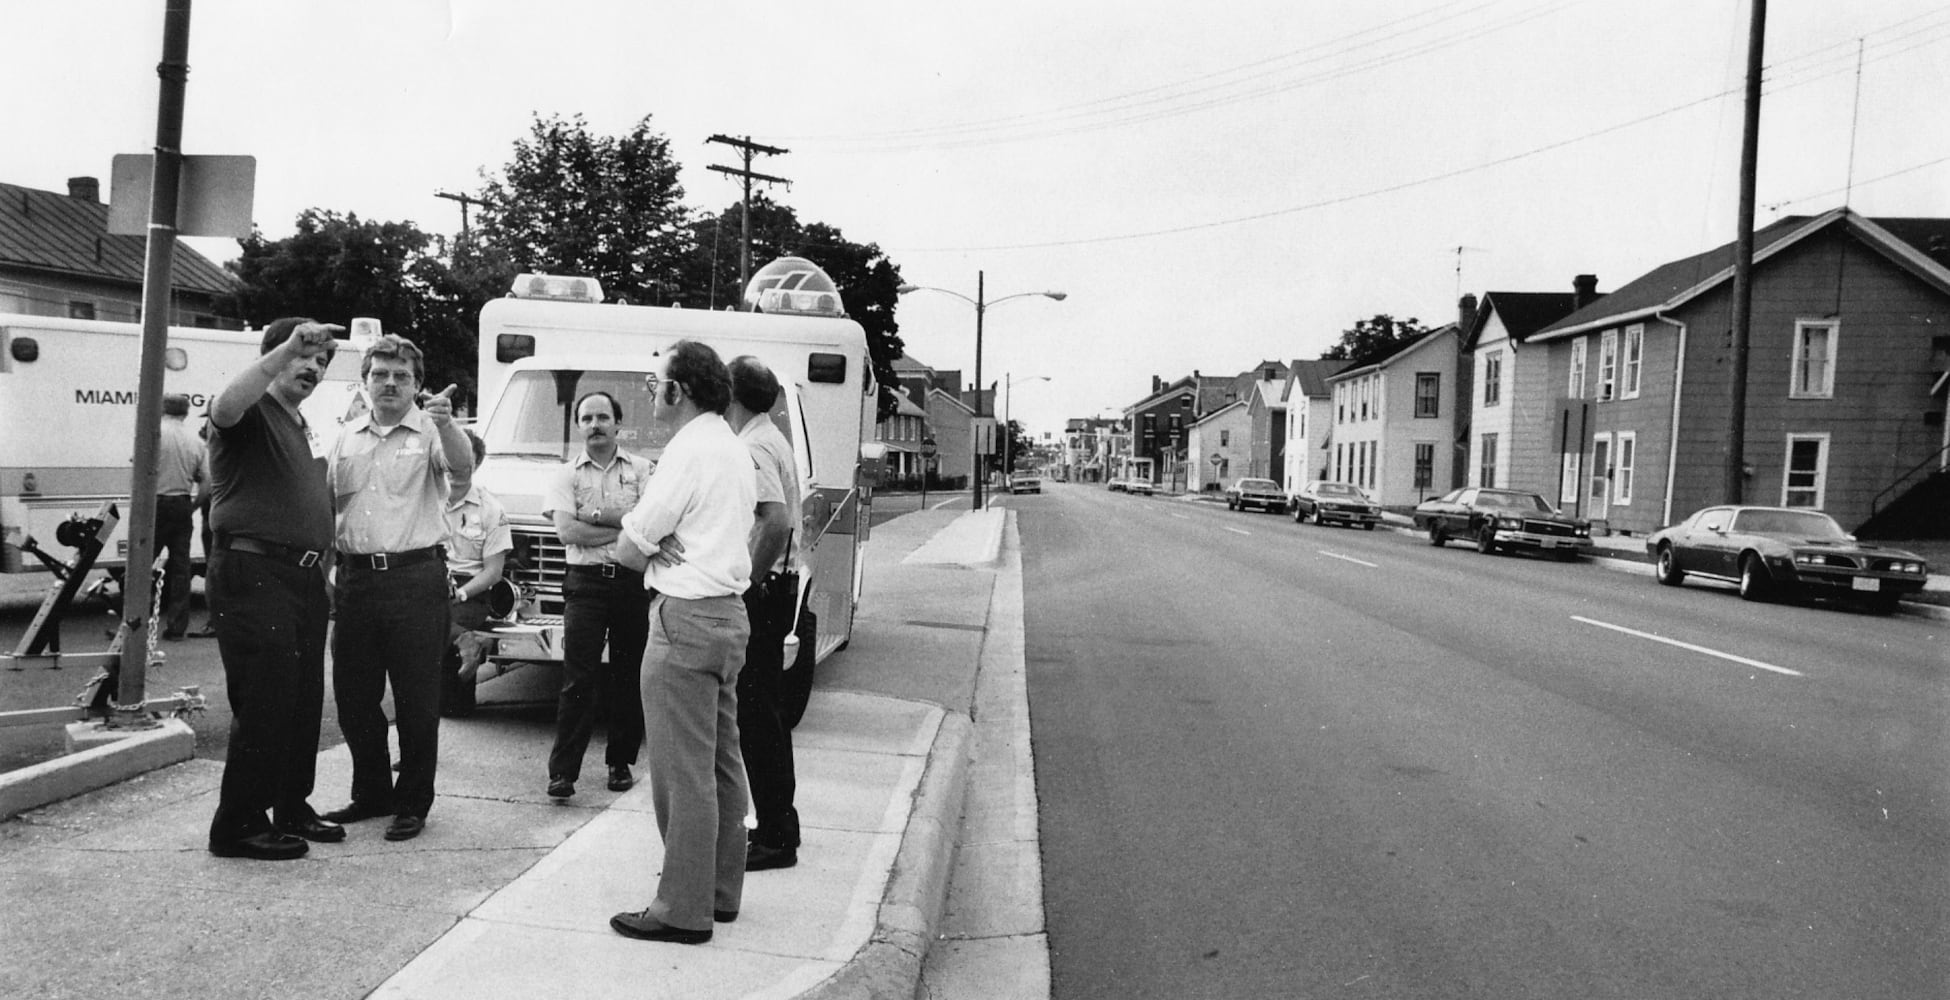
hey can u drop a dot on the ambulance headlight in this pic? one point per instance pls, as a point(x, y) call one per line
point(793, 286)
point(556, 288)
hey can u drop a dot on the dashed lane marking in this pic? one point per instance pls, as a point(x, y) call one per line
point(1689, 646)
point(1357, 562)
point(1236, 531)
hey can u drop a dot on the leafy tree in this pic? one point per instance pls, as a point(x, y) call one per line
point(610, 207)
point(1375, 338)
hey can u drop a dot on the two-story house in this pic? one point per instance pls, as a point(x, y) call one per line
point(1220, 447)
point(908, 441)
point(1309, 423)
point(57, 258)
point(1161, 422)
point(1844, 386)
point(1394, 420)
point(1266, 405)
point(1511, 406)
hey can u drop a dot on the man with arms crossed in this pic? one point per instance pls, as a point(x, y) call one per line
point(272, 513)
point(693, 525)
point(392, 471)
point(601, 600)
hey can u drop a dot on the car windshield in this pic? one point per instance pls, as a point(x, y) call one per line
point(1800, 523)
point(1258, 484)
point(536, 416)
point(1515, 501)
point(1338, 490)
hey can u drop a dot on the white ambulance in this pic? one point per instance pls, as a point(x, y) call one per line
point(67, 419)
point(553, 340)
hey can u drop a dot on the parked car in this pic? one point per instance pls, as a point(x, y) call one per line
point(1025, 481)
point(1136, 485)
point(1115, 484)
point(1264, 494)
point(1784, 551)
point(1503, 519)
point(1323, 502)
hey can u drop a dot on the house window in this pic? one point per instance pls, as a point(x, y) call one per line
point(1624, 457)
point(1567, 480)
point(1340, 404)
point(1576, 388)
point(1424, 466)
point(1428, 394)
point(1807, 471)
point(1225, 439)
point(78, 309)
point(1607, 365)
point(1486, 462)
point(1366, 386)
point(1150, 427)
point(1492, 379)
point(1634, 352)
point(1814, 359)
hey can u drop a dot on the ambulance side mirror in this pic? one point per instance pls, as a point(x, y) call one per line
point(873, 463)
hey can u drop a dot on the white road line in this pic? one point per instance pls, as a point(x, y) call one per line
point(1236, 531)
point(1688, 645)
point(948, 501)
point(1357, 562)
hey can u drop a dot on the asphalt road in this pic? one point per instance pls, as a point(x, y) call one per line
point(1280, 760)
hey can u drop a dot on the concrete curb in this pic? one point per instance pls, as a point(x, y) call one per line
point(97, 767)
point(889, 965)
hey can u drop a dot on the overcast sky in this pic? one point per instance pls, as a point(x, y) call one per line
point(1212, 183)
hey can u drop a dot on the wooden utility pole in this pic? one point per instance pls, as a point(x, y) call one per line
point(1743, 263)
point(747, 148)
point(466, 201)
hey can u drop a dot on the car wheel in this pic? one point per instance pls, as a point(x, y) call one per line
point(1367, 525)
point(1665, 567)
point(1436, 537)
point(1486, 539)
point(1755, 584)
point(1313, 517)
point(1295, 511)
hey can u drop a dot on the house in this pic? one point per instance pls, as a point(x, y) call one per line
point(1844, 388)
point(1089, 446)
point(57, 258)
point(1265, 398)
point(1394, 420)
point(1219, 448)
point(950, 421)
point(1160, 422)
point(906, 436)
point(1309, 422)
point(1509, 415)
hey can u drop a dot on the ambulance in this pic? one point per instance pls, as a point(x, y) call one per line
point(67, 420)
point(554, 340)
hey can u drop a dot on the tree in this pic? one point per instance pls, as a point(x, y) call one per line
point(606, 207)
point(1022, 447)
point(1375, 338)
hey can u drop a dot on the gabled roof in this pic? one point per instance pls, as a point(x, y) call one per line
point(1273, 392)
point(1311, 376)
point(46, 231)
point(1236, 404)
point(1523, 313)
point(1921, 246)
point(906, 407)
point(1359, 367)
point(945, 396)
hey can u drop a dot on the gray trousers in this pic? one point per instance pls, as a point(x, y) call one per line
point(697, 776)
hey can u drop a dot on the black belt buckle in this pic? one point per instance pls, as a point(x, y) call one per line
point(608, 570)
point(377, 560)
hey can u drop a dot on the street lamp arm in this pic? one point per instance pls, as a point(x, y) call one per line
point(904, 289)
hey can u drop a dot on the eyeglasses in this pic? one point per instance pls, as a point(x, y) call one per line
point(394, 377)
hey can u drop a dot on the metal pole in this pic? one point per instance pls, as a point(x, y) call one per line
point(1008, 411)
point(137, 585)
point(1743, 263)
point(980, 408)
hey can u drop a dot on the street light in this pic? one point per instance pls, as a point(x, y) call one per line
point(981, 304)
point(1009, 440)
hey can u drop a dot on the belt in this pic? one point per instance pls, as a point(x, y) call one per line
point(608, 570)
point(392, 560)
point(304, 558)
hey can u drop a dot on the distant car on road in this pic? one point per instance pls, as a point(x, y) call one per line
point(1144, 486)
point(1503, 519)
point(1115, 484)
point(1025, 481)
point(1263, 494)
point(1324, 502)
point(1784, 551)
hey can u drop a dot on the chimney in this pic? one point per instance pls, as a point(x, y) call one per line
point(1465, 313)
point(87, 189)
point(1584, 290)
point(1157, 385)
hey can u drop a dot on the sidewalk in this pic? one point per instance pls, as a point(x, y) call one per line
point(507, 893)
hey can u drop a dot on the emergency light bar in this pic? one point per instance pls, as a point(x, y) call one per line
point(556, 288)
point(793, 286)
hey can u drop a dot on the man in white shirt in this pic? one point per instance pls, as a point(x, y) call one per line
point(690, 532)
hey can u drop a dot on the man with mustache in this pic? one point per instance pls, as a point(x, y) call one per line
point(272, 514)
point(391, 473)
point(602, 601)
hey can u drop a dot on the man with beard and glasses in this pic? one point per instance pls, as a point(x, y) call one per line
point(392, 471)
point(272, 514)
point(602, 601)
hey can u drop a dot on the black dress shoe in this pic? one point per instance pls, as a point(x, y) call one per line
point(206, 632)
point(560, 788)
point(405, 827)
point(644, 927)
point(724, 916)
point(267, 846)
point(313, 829)
point(619, 778)
point(759, 857)
point(355, 811)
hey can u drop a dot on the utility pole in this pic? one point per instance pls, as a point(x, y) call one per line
point(1743, 263)
point(747, 148)
point(466, 201)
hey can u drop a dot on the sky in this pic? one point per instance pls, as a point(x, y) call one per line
point(1210, 185)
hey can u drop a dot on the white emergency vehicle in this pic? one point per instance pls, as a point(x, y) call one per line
point(67, 418)
point(553, 340)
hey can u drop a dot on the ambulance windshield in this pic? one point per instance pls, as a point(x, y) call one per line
point(536, 415)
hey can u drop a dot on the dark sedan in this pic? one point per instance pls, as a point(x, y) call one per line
point(1784, 551)
point(1503, 519)
point(1334, 503)
point(1256, 494)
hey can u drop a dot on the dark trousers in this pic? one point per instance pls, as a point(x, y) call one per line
point(175, 523)
point(391, 628)
point(764, 735)
point(270, 616)
point(596, 609)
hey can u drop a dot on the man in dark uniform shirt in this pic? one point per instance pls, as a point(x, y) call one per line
point(272, 513)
